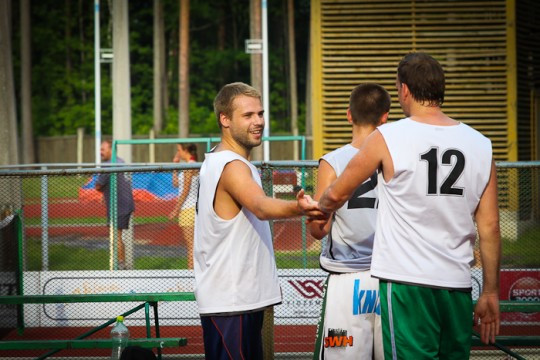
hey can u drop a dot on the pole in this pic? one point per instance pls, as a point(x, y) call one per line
point(97, 83)
point(80, 145)
point(44, 221)
point(268, 334)
point(266, 85)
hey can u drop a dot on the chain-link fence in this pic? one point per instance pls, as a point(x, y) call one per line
point(68, 246)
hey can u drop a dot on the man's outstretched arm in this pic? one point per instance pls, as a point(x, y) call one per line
point(238, 183)
point(368, 159)
point(325, 176)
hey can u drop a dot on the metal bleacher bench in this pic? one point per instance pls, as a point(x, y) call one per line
point(503, 342)
point(152, 299)
point(147, 299)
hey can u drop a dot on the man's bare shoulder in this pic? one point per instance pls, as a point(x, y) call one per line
point(236, 164)
point(235, 172)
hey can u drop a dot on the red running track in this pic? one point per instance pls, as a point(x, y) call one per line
point(287, 233)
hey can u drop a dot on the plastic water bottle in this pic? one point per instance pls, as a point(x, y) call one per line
point(119, 337)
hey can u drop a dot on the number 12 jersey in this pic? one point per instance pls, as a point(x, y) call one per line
point(425, 231)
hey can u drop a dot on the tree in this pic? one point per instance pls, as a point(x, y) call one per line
point(255, 32)
point(26, 86)
point(292, 74)
point(10, 196)
point(159, 66)
point(121, 78)
point(183, 72)
point(62, 63)
point(8, 117)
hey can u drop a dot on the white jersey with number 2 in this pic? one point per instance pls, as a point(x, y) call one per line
point(350, 241)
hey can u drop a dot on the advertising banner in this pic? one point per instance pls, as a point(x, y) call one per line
point(302, 291)
point(302, 296)
point(521, 285)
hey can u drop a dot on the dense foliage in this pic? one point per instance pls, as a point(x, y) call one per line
point(63, 62)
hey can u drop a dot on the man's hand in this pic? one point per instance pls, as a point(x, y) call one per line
point(317, 226)
point(487, 315)
point(309, 207)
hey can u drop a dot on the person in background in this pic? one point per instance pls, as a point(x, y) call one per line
point(347, 253)
point(124, 195)
point(187, 182)
point(235, 269)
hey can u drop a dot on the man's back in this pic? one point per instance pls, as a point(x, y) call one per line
point(427, 208)
point(124, 192)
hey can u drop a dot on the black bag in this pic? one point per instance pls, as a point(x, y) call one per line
point(137, 353)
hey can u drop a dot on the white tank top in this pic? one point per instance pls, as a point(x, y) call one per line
point(350, 241)
point(425, 230)
point(234, 265)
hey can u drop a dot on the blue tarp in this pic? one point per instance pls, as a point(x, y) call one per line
point(145, 185)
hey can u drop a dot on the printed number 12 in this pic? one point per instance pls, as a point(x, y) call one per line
point(447, 187)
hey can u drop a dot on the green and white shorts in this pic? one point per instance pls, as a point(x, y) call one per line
point(424, 323)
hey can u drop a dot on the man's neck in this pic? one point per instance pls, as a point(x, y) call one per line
point(229, 144)
point(432, 115)
point(360, 133)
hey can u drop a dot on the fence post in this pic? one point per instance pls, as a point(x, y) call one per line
point(128, 236)
point(267, 178)
point(44, 221)
point(80, 145)
point(152, 147)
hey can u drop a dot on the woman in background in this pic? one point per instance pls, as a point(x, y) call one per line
point(187, 182)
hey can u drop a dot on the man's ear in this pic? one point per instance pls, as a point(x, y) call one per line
point(405, 90)
point(384, 118)
point(224, 120)
point(349, 116)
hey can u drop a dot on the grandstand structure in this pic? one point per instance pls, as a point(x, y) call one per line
point(490, 50)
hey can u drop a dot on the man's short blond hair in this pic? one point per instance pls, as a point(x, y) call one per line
point(223, 103)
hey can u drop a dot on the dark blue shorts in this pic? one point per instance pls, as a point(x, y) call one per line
point(235, 337)
point(122, 221)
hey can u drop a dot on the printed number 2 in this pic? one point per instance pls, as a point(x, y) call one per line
point(447, 187)
point(357, 201)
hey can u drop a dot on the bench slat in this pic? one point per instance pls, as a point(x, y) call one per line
point(83, 298)
point(88, 344)
point(518, 306)
point(510, 341)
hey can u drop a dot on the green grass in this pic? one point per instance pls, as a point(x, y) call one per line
point(58, 186)
point(295, 259)
point(92, 220)
point(63, 257)
point(523, 252)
